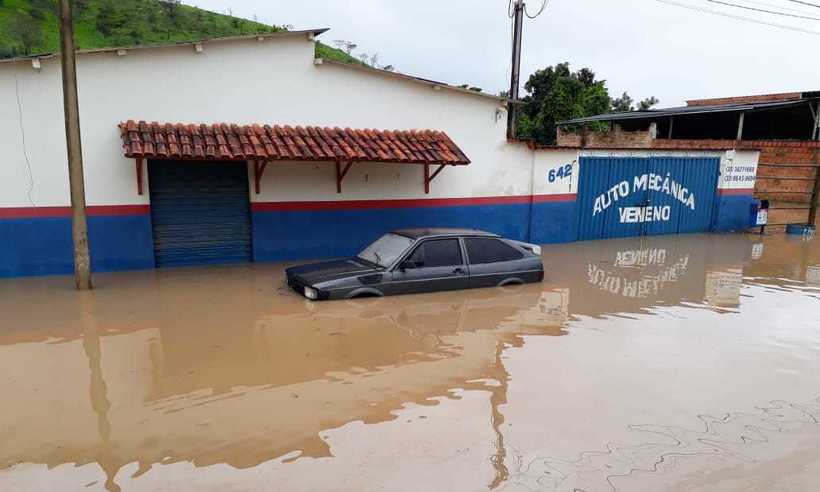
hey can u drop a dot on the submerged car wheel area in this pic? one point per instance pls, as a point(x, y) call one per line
point(414, 261)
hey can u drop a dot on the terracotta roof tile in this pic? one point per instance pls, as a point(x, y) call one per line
point(223, 141)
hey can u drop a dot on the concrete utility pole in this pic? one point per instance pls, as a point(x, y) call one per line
point(79, 226)
point(518, 24)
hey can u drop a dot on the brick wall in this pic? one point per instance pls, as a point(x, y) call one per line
point(764, 98)
point(614, 139)
point(569, 139)
point(786, 176)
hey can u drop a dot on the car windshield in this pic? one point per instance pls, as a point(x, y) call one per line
point(386, 249)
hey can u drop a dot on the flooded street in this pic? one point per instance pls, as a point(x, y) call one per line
point(668, 363)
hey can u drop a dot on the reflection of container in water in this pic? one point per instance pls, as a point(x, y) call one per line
point(723, 287)
point(813, 275)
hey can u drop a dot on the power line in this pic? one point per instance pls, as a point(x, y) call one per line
point(540, 11)
point(805, 3)
point(719, 2)
point(771, 5)
point(738, 17)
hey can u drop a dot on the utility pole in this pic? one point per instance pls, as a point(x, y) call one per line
point(518, 24)
point(79, 225)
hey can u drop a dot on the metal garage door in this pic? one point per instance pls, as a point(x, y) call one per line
point(636, 196)
point(200, 212)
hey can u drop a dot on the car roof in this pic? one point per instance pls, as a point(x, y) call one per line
point(442, 232)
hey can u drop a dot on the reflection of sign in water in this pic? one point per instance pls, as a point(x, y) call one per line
point(757, 251)
point(762, 217)
point(553, 307)
point(552, 310)
point(640, 257)
point(647, 285)
point(813, 275)
point(723, 287)
point(642, 183)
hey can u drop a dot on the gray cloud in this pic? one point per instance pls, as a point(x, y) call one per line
point(642, 46)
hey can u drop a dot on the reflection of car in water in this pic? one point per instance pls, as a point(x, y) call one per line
point(413, 261)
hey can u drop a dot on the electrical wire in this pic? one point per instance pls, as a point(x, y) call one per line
point(801, 2)
point(30, 192)
point(540, 11)
point(729, 4)
point(771, 5)
point(738, 17)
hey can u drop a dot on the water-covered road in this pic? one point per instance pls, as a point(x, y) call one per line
point(668, 363)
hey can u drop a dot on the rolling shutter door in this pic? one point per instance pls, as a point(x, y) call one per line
point(200, 212)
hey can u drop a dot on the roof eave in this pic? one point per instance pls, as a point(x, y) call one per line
point(430, 83)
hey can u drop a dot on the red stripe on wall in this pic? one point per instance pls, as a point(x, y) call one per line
point(125, 210)
point(56, 212)
point(409, 203)
point(741, 191)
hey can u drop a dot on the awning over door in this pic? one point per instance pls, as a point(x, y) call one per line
point(226, 142)
point(263, 144)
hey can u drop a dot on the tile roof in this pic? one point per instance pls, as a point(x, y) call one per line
point(286, 143)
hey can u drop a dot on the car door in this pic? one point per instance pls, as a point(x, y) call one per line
point(437, 264)
point(492, 261)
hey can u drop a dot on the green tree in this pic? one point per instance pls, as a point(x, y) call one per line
point(555, 94)
point(647, 103)
point(625, 104)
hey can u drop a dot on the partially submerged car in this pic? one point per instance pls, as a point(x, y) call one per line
point(412, 261)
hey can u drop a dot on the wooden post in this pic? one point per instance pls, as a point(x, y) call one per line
point(671, 125)
point(79, 226)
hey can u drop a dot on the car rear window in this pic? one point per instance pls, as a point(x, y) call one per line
point(488, 250)
point(438, 253)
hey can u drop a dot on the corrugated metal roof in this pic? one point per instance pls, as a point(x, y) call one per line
point(687, 110)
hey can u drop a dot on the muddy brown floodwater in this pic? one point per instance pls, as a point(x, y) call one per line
point(668, 363)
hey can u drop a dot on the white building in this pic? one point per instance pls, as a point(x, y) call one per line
point(152, 206)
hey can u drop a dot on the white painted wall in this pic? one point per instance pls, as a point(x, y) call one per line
point(273, 81)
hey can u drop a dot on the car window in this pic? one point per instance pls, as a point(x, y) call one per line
point(386, 249)
point(438, 253)
point(488, 250)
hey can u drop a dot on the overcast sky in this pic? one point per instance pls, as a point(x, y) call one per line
point(645, 47)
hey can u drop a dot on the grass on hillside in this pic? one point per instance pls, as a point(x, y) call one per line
point(30, 26)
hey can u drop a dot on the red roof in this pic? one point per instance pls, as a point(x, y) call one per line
point(763, 98)
point(254, 142)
